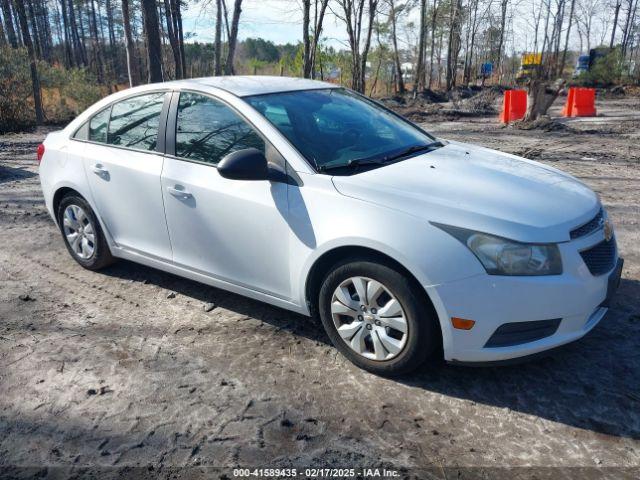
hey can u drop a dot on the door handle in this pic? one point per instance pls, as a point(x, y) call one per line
point(98, 169)
point(179, 193)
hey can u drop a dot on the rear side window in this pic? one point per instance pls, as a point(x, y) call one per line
point(98, 126)
point(207, 130)
point(134, 122)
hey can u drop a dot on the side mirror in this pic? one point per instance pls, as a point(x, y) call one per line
point(246, 164)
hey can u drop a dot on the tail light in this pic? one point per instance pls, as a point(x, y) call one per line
point(40, 152)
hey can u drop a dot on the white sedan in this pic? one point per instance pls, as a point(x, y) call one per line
point(313, 198)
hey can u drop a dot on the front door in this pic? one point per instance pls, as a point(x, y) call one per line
point(233, 230)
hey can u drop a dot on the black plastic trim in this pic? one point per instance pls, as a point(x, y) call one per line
point(517, 333)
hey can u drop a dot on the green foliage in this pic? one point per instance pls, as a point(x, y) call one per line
point(606, 70)
point(16, 105)
point(70, 91)
point(260, 49)
point(65, 93)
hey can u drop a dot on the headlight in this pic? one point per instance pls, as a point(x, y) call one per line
point(500, 256)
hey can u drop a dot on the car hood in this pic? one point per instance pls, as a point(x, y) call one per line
point(480, 189)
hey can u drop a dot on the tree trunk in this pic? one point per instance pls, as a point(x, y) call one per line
point(453, 47)
point(566, 40)
point(503, 20)
point(78, 47)
point(177, 28)
point(35, 80)
point(3, 38)
point(434, 18)
point(34, 29)
point(373, 5)
point(152, 35)
point(70, 60)
point(128, 44)
point(44, 28)
point(97, 46)
point(82, 33)
point(233, 38)
point(540, 97)
point(217, 64)
point(317, 30)
point(396, 54)
point(8, 23)
point(417, 83)
point(306, 41)
point(615, 23)
point(173, 39)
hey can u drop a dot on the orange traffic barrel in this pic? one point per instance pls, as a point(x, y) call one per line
point(514, 106)
point(581, 102)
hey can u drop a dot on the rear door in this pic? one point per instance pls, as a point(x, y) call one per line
point(123, 163)
point(234, 230)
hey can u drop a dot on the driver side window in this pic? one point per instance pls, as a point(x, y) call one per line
point(207, 130)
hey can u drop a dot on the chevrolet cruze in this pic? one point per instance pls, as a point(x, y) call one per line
point(313, 198)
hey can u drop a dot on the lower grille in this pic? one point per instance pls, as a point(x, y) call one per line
point(600, 259)
point(517, 333)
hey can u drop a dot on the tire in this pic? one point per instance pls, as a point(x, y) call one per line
point(93, 255)
point(423, 335)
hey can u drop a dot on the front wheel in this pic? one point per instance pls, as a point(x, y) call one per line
point(377, 317)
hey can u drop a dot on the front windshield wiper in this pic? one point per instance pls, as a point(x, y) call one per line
point(356, 163)
point(412, 149)
point(352, 164)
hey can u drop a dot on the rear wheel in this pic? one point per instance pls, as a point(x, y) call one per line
point(377, 317)
point(82, 234)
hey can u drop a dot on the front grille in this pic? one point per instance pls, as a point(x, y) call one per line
point(517, 333)
point(600, 259)
point(591, 226)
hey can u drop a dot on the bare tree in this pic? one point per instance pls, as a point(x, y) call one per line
point(35, 79)
point(393, 20)
point(152, 34)
point(217, 62)
point(616, 7)
point(566, 39)
point(352, 14)
point(434, 19)
point(8, 22)
point(129, 46)
point(311, 34)
point(173, 39)
point(454, 43)
point(418, 83)
point(233, 38)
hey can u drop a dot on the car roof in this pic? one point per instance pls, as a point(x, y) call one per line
point(245, 85)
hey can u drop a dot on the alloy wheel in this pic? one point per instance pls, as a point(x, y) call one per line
point(369, 318)
point(79, 231)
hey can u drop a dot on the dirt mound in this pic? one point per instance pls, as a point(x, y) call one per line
point(546, 124)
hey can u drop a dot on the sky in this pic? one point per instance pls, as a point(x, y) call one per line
point(277, 20)
point(281, 22)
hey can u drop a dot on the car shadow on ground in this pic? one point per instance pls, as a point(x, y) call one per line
point(11, 174)
point(591, 384)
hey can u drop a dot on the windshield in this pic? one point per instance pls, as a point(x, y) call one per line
point(334, 127)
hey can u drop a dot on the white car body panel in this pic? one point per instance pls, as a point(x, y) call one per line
point(261, 239)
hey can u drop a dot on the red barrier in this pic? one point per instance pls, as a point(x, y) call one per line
point(580, 103)
point(515, 105)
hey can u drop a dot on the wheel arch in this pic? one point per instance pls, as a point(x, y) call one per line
point(59, 194)
point(323, 264)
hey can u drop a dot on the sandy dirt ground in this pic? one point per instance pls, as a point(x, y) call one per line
point(125, 367)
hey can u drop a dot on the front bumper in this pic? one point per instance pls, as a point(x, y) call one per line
point(578, 298)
